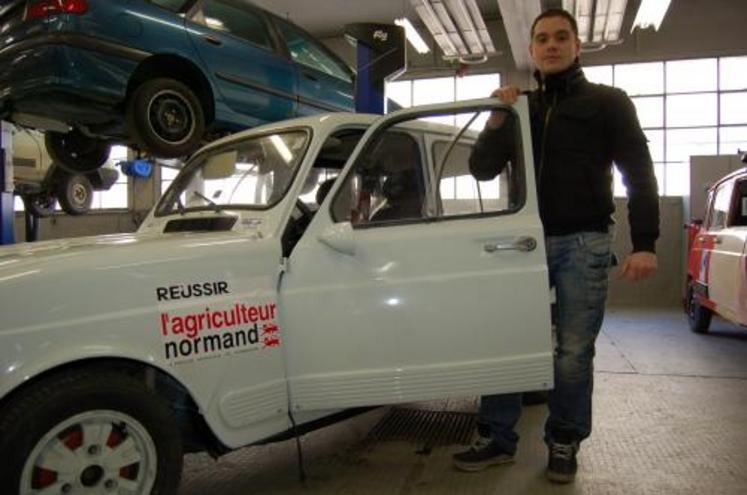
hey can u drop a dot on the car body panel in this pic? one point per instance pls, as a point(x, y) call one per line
point(418, 311)
point(718, 256)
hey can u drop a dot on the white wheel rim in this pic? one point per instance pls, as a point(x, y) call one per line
point(113, 454)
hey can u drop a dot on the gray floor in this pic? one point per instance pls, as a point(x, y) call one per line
point(670, 417)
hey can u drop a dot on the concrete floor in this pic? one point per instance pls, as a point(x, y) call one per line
point(670, 417)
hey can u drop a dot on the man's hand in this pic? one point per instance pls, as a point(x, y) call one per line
point(507, 95)
point(638, 266)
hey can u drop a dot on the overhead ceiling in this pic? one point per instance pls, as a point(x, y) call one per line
point(325, 18)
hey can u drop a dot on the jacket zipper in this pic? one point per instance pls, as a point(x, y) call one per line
point(544, 140)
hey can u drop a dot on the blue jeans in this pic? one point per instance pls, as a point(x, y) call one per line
point(578, 266)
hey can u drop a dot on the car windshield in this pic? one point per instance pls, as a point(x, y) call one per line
point(254, 173)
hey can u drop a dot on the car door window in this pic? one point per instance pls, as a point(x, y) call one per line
point(232, 16)
point(740, 215)
point(388, 185)
point(721, 204)
point(392, 167)
point(304, 50)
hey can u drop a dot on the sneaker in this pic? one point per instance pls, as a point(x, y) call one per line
point(483, 453)
point(562, 466)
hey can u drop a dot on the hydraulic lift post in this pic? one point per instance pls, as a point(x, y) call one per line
point(381, 56)
point(7, 235)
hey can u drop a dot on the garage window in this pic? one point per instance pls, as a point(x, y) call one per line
point(686, 107)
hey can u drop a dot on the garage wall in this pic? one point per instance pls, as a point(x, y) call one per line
point(666, 286)
point(60, 225)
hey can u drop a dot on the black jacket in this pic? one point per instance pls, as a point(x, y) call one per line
point(578, 130)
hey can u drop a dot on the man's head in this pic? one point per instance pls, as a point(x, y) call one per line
point(555, 44)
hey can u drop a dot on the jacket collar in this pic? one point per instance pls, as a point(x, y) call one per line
point(562, 82)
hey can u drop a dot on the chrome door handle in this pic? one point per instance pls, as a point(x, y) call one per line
point(524, 244)
point(718, 240)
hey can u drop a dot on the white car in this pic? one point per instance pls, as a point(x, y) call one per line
point(251, 306)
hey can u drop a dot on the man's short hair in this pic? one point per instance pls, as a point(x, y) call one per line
point(557, 13)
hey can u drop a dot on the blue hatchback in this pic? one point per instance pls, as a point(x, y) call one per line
point(158, 75)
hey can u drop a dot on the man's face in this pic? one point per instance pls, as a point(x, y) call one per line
point(554, 46)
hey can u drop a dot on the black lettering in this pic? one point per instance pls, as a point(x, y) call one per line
point(253, 334)
point(241, 338)
point(171, 351)
point(174, 292)
point(185, 350)
point(211, 343)
point(162, 294)
point(197, 290)
point(207, 289)
point(222, 288)
point(228, 341)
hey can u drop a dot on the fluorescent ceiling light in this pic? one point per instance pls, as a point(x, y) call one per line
point(650, 14)
point(281, 148)
point(599, 21)
point(458, 28)
point(412, 35)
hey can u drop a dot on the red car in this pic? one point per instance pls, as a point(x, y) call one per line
point(717, 261)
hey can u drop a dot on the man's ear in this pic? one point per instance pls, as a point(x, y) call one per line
point(578, 46)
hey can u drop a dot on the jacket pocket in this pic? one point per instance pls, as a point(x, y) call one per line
point(577, 127)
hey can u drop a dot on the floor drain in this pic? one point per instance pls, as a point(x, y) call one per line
point(430, 428)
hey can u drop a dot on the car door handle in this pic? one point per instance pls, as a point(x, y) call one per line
point(309, 76)
point(718, 240)
point(524, 244)
point(212, 40)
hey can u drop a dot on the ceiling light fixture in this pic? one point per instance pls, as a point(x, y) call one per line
point(599, 21)
point(650, 14)
point(458, 28)
point(412, 35)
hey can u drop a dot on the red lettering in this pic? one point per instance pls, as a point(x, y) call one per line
point(165, 323)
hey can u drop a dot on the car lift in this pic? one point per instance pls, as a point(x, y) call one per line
point(7, 235)
point(381, 56)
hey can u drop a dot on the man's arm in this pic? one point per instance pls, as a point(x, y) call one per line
point(630, 153)
point(495, 146)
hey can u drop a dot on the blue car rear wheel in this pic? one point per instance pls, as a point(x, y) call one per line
point(166, 118)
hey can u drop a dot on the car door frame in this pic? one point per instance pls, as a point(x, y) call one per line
point(316, 385)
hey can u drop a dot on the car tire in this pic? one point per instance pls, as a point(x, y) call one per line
point(128, 434)
point(699, 317)
point(76, 152)
point(165, 118)
point(75, 193)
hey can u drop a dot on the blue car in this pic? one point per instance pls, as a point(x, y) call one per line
point(161, 76)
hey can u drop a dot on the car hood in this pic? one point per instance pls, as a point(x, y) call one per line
point(83, 277)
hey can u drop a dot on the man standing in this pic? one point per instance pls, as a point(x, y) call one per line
point(578, 130)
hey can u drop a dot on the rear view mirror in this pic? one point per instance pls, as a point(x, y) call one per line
point(220, 166)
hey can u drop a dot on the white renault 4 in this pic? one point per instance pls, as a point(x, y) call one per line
point(289, 275)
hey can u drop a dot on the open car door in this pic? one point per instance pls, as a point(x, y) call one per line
point(414, 281)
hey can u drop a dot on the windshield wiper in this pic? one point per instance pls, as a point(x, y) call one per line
point(208, 200)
